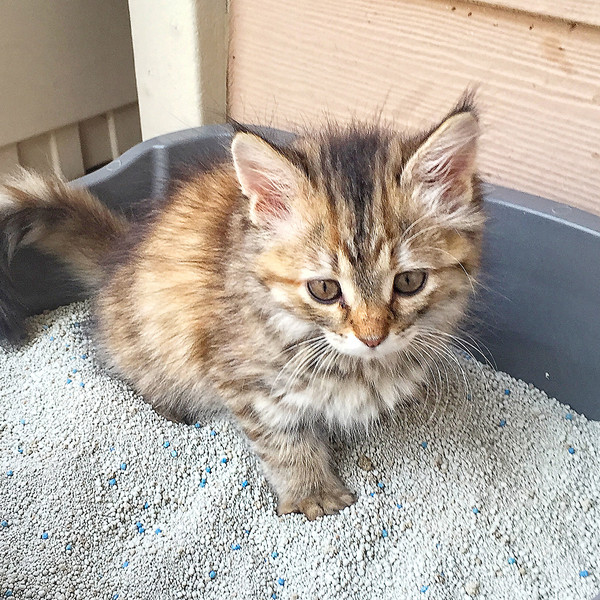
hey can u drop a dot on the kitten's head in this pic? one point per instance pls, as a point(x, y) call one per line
point(368, 237)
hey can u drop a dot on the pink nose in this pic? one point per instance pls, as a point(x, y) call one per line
point(372, 341)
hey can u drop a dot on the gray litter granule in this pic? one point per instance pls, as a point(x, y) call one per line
point(497, 497)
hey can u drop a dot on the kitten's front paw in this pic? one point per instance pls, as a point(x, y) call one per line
point(323, 502)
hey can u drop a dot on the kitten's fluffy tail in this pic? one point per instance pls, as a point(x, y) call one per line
point(66, 222)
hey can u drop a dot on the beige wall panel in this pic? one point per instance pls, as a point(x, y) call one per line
point(9, 159)
point(292, 62)
point(62, 62)
point(574, 11)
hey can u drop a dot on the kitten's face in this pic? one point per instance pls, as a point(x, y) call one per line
point(369, 240)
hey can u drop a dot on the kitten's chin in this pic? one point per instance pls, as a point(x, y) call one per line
point(350, 345)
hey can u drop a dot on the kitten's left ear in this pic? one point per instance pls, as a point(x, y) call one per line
point(266, 177)
point(444, 165)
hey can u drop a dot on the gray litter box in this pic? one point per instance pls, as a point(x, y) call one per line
point(537, 312)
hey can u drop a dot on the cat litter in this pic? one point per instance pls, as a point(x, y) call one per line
point(469, 509)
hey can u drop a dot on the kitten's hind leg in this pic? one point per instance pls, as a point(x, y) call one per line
point(298, 464)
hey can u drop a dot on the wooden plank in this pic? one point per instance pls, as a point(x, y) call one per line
point(411, 59)
point(36, 153)
point(9, 159)
point(573, 11)
point(124, 128)
point(95, 141)
point(65, 148)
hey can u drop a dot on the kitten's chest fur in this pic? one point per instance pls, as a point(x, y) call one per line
point(338, 391)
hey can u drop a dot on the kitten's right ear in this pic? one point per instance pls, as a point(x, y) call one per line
point(266, 177)
point(444, 166)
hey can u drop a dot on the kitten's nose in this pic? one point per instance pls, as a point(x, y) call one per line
point(372, 341)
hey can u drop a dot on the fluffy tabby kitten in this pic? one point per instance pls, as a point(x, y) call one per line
point(298, 285)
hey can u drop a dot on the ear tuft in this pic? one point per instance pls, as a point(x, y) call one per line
point(444, 165)
point(266, 177)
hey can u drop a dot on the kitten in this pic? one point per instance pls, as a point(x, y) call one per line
point(297, 285)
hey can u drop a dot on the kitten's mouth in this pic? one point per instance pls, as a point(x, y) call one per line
point(350, 345)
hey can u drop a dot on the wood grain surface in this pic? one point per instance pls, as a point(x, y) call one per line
point(573, 11)
point(539, 79)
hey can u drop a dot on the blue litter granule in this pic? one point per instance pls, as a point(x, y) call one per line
point(4, 523)
point(281, 581)
point(398, 505)
point(123, 466)
point(20, 450)
point(507, 392)
point(571, 450)
point(197, 425)
point(22, 421)
point(51, 338)
point(224, 460)
point(274, 554)
point(584, 573)
point(69, 380)
point(74, 370)
point(212, 574)
point(138, 524)
point(235, 547)
point(8, 593)
point(502, 422)
point(146, 505)
point(9, 473)
point(208, 470)
point(112, 481)
point(45, 535)
point(157, 531)
point(82, 384)
point(115, 596)
point(274, 596)
point(84, 356)
point(141, 530)
point(424, 588)
point(202, 482)
point(384, 533)
point(569, 417)
point(245, 483)
point(424, 444)
point(512, 560)
point(381, 485)
point(68, 547)
point(372, 494)
point(213, 433)
point(125, 564)
point(475, 510)
point(174, 453)
point(166, 444)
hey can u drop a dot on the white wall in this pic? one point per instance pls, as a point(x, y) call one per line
point(180, 50)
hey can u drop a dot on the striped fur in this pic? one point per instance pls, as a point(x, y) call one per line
point(210, 308)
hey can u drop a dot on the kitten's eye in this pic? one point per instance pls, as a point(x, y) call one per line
point(410, 282)
point(326, 291)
